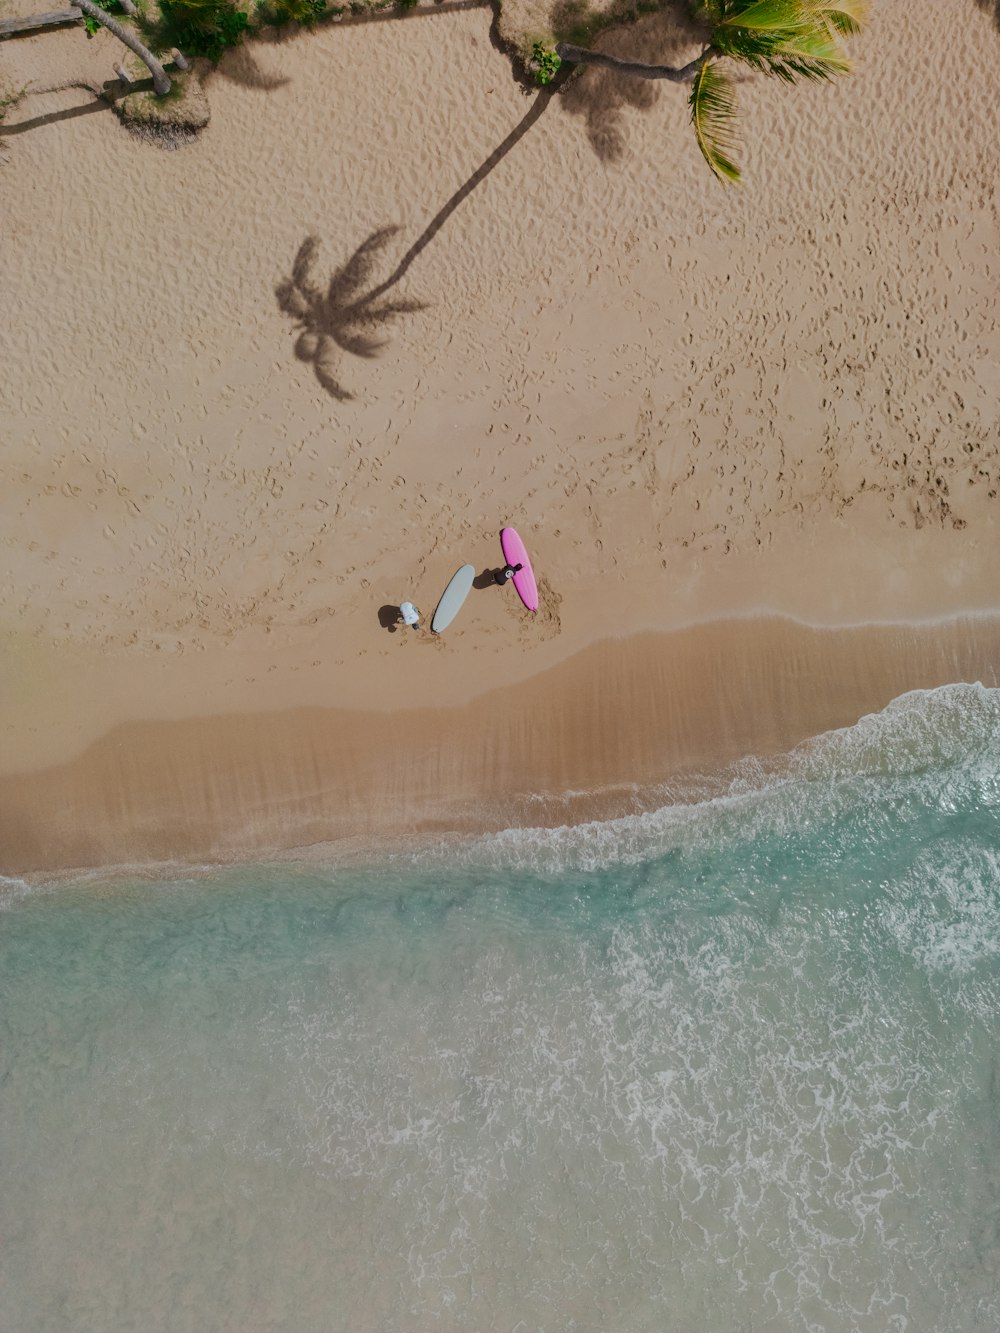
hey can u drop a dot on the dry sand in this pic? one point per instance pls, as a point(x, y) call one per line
point(777, 401)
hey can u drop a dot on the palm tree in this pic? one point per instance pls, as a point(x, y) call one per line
point(790, 39)
point(161, 84)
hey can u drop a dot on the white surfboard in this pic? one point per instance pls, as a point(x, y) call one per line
point(452, 598)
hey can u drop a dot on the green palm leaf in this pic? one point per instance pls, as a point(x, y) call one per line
point(813, 52)
point(713, 114)
point(846, 16)
point(807, 48)
point(772, 15)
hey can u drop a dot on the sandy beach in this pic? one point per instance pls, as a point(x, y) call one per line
point(750, 435)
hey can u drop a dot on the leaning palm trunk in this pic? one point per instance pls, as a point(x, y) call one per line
point(161, 84)
point(577, 55)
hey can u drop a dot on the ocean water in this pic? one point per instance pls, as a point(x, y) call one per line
point(734, 1065)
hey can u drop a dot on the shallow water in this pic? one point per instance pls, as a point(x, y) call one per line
point(729, 1066)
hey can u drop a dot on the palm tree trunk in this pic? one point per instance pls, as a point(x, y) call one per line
point(161, 84)
point(577, 55)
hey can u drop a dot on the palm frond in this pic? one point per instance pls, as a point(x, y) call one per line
point(755, 48)
point(846, 17)
point(770, 15)
point(809, 51)
point(812, 52)
point(713, 115)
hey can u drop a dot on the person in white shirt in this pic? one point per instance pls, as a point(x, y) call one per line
point(409, 615)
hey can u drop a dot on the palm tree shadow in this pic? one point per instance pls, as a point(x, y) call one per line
point(538, 104)
point(240, 65)
point(341, 317)
point(338, 317)
point(600, 96)
point(53, 117)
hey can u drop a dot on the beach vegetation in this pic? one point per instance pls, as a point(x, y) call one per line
point(176, 116)
point(9, 97)
point(785, 39)
point(203, 27)
point(544, 63)
point(92, 26)
point(303, 12)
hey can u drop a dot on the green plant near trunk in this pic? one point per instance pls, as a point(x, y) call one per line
point(304, 12)
point(204, 27)
point(787, 39)
point(9, 97)
point(92, 26)
point(544, 63)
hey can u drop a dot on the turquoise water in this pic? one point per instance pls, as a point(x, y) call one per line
point(728, 1066)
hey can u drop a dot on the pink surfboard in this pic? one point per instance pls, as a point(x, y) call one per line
point(514, 553)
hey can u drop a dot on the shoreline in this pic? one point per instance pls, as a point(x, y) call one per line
point(622, 727)
point(693, 403)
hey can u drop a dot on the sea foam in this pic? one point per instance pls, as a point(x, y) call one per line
point(939, 745)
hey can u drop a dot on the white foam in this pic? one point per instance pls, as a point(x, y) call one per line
point(735, 1113)
point(12, 890)
point(922, 732)
point(916, 731)
point(947, 913)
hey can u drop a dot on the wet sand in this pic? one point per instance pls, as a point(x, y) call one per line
point(621, 727)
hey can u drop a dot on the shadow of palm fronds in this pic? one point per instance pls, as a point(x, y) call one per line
point(670, 36)
point(342, 317)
